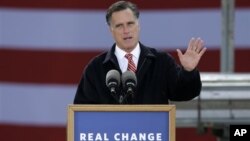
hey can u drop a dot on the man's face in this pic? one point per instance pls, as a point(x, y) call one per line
point(124, 27)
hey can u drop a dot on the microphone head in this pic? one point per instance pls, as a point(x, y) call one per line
point(113, 76)
point(129, 78)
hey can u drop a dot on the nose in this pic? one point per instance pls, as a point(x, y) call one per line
point(126, 29)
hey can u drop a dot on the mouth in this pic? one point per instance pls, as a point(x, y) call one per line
point(127, 38)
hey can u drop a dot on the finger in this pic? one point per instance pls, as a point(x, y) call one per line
point(190, 44)
point(179, 53)
point(196, 43)
point(202, 51)
point(200, 46)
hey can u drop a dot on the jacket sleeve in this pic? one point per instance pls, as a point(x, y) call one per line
point(183, 85)
point(86, 92)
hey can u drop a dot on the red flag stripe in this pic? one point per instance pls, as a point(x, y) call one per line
point(103, 4)
point(100, 4)
point(58, 133)
point(66, 67)
point(40, 66)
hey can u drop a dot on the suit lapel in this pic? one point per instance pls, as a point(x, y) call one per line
point(145, 61)
point(110, 61)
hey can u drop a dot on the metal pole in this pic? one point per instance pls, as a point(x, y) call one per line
point(227, 47)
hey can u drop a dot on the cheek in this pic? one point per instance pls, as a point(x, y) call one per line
point(117, 37)
point(136, 30)
point(114, 34)
point(136, 33)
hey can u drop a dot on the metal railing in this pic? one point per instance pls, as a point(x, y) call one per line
point(225, 98)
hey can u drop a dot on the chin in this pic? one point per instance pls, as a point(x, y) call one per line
point(130, 46)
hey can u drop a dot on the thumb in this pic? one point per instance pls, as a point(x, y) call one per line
point(179, 53)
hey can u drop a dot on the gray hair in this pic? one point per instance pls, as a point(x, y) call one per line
point(119, 6)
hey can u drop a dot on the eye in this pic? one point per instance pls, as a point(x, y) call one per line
point(131, 23)
point(119, 26)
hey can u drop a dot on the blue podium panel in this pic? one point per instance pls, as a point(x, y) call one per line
point(121, 126)
point(121, 123)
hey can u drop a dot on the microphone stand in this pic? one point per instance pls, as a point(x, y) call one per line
point(121, 99)
point(125, 96)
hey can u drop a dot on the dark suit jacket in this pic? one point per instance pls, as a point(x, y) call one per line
point(159, 79)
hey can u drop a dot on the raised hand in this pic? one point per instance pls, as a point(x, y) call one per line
point(190, 59)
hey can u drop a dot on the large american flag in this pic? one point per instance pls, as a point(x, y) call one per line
point(45, 45)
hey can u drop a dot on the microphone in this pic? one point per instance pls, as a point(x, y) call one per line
point(129, 82)
point(113, 81)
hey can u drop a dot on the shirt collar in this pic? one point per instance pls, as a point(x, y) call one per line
point(121, 53)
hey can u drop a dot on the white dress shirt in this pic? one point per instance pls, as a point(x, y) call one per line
point(123, 62)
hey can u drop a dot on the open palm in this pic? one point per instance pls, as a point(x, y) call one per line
point(190, 59)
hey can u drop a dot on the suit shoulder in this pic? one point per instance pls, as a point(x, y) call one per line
point(95, 62)
point(98, 58)
point(160, 53)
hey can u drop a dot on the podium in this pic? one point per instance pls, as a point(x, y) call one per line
point(121, 123)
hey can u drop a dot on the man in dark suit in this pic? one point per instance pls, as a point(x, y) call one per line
point(159, 78)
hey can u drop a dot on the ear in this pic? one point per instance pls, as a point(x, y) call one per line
point(111, 30)
point(110, 27)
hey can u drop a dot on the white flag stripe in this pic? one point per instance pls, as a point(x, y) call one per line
point(86, 30)
point(35, 104)
point(46, 105)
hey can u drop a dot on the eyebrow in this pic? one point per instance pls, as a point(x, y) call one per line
point(129, 22)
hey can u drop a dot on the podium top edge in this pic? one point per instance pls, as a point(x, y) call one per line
point(101, 107)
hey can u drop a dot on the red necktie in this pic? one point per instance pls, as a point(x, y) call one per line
point(131, 64)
